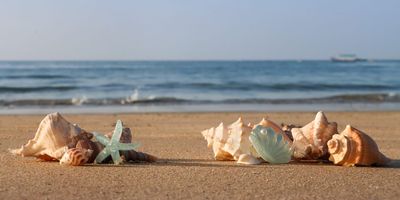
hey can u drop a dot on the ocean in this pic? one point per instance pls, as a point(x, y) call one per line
point(195, 86)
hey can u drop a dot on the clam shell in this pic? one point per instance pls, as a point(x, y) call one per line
point(353, 147)
point(309, 142)
point(53, 135)
point(271, 146)
point(76, 156)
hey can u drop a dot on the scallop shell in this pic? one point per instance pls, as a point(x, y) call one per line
point(54, 133)
point(229, 142)
point(76, 156)
point(353, 147)
point(271, 146)
point(309, 142)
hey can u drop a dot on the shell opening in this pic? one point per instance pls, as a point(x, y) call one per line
point(333, 146)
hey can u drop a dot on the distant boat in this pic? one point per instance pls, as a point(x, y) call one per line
point(347, 58)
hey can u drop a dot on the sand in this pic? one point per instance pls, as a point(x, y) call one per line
point(187, 169)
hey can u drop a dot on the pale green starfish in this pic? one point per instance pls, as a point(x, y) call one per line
point(113, 146)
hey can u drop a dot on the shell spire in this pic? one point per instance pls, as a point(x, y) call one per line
point(309, 142)
point(229, 142)
point(353, 147)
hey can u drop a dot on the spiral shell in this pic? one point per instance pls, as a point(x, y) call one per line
point(76, 156)
point(309, 142)
point(353, 147)
point(54, 133)
point(229, 142)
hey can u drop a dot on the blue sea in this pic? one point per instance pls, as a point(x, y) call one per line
point(195, 86)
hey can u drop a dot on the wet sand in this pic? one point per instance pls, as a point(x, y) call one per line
point(186, 168)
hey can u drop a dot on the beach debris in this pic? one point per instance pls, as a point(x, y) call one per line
point(58, 140)
point(352, 147)
point(54, 133)
point(272, 146)
point(75, 156)
point(229, 142)
point(310, 141)
point(113, 146)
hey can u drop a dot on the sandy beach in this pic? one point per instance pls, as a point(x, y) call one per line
point(186, 168)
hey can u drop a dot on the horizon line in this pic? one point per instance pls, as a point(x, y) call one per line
point(179, 60)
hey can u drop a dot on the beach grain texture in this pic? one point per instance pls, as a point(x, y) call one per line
point(186, 169)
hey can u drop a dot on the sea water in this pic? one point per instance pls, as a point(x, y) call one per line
point(144, 86)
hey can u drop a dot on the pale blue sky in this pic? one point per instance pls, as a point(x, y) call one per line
point(199, 30)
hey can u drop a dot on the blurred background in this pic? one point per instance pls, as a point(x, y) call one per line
point(133, 56)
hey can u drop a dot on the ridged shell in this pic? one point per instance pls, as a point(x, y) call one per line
point(353, 147)
point(76, 156)
point(229, 142)
point(96, 147)
point(271, 146)
point(54, 133)
point(309, 142)
point(277, 129)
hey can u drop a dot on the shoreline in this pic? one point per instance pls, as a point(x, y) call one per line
point(193, 108)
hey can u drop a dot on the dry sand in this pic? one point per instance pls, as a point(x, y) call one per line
point(187, 169)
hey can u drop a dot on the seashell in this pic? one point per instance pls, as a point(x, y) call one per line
point(229, 142)
point(54, 133)
point(76, 156)
point(249, 160)
point(353, 147)
point(271, 146)
point(309, 142)
point(277, 129)
point(126, 136)
point(95, 147)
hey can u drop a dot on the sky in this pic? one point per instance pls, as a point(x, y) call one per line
point(198, 30)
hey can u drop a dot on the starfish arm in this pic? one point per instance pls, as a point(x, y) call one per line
point(102, 155)
point(128, 146)
point(117, 132)
point(116, 157)
point(102, 139)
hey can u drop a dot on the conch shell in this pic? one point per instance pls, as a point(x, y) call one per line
point(309, 142)
point(353, 147)
point(54, 133)
point(76, 156)
point(229, 142)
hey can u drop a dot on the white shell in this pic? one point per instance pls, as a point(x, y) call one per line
point(53, 135)
point(271, 146)
point(249, 160)
point(229, 142)
point(310, 141)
